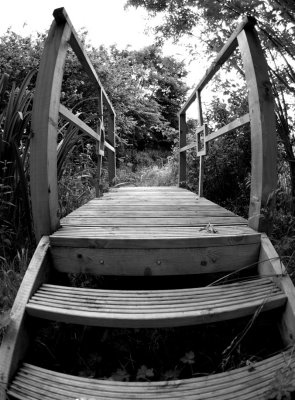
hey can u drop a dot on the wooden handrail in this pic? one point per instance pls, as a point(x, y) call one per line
point(237, 123)
point(70, 117)
point(221, 58)
point(46, 111)
point(262, 122)
point(61, 17)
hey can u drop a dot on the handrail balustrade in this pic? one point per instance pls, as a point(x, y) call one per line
point(46, 111)
point(261, 118)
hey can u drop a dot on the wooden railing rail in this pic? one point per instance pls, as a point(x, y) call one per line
point(261, 118)
point(46, 112)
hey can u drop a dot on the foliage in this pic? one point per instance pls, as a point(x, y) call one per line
point(145, 88)
point(212, 21)
point(19, 55)
point(76, 183)
point(148, 168)
point(14, 145)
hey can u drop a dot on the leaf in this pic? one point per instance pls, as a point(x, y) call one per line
point(283, 384)
point(171, 374)
point(188, 358)
point(209, 228)
point(144, 373)
point(121, 375)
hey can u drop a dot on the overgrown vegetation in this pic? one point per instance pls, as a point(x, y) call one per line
point(152, 354)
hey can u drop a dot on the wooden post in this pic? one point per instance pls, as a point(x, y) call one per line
point(201, 164)
point(98, 190)
point(112, 141)
point(182, 143)
point(43, 166)
point(16, 337)
point(263, 132)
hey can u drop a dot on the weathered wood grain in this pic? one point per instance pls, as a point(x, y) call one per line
point(111, 127)
point(160, 308)
point(43, 154)
point(249, 383)
point(15, 340)
point(263, 132)
point(183, 130)
point(271, 265)
point(237, 123)
point(138, 258)
point(69, 116)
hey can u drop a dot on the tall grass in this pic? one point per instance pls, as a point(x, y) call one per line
point(148, 168)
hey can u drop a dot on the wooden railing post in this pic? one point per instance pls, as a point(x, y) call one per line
point(182, 142)
point(43, 156)
point(98, 190)
point(112, 141)
point(263, 132)
point(201, 164)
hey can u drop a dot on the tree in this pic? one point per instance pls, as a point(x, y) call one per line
point(145, 87)
point(212, 21)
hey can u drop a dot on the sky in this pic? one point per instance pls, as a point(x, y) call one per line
point(106, 21)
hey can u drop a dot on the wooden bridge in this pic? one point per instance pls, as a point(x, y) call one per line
point(149, 231)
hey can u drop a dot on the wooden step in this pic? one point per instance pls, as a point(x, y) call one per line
point(253, 382)
point(154, 308)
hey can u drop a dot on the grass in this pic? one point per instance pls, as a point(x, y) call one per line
point(150, 169)
point(11, 275)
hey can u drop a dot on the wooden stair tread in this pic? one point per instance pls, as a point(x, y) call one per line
point(250, 382)
point(159, 308)
point(151, 237)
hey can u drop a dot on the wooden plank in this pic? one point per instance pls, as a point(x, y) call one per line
point(201, 158)
point(99, 153)
point(271, 265)
point(111, 154)
point(155, 221)
point(62, 17)
point(222, 57)
point(149, 188)
point(251, 383)
point(15, 340)
point(150, 195)
point(109, 147)
point(237, 123)
point(201, 175)
point(192, 145)
point(69, 116)
point(263, 132)
point(149, 208)
point(115, 213)
point(151, 261)
point(43, 151)
point(161, 308)
point(183, 130)
point(151, 237)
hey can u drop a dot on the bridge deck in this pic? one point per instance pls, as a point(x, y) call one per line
point(150, 213)
point(126, 223)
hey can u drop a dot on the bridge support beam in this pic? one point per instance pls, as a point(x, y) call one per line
point(263, 132)
point(182, 142)
point(43, 162)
